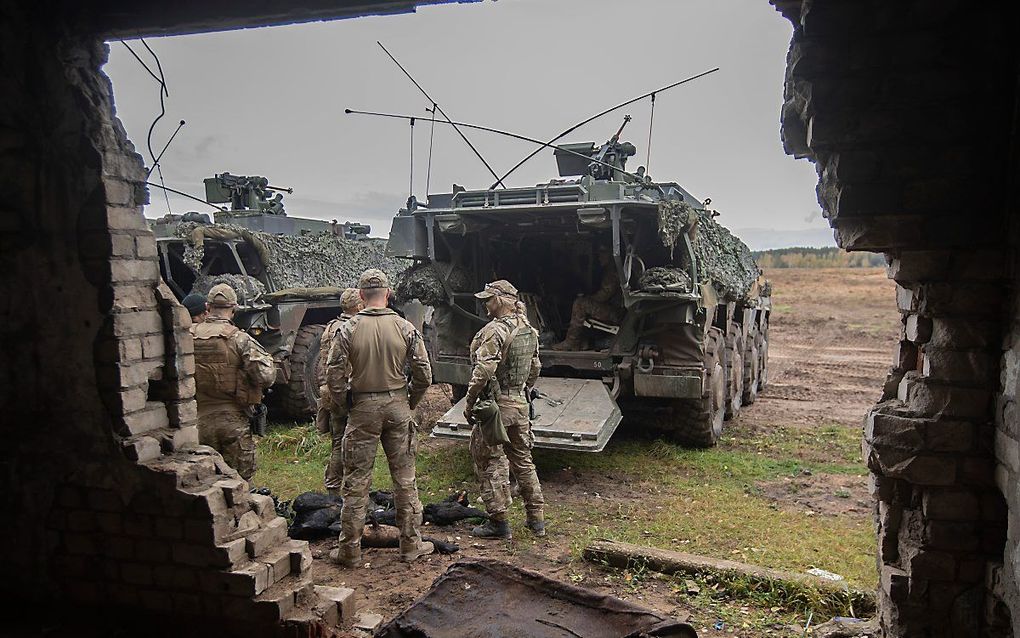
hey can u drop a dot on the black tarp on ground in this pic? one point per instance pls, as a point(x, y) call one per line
point(484, 598)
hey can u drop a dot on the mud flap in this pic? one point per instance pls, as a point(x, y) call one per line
point(572, 414)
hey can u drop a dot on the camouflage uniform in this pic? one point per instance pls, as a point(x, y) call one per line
point(231, 370)
point(517, 371)
point(368, 358)
point(604, 305)
point(329, 418)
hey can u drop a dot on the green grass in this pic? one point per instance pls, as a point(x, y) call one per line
point(698, 501)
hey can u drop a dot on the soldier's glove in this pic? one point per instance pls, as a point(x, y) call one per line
point(467, 414)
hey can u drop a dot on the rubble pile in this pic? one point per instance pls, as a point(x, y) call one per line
point(422, 282)
point(305, 261)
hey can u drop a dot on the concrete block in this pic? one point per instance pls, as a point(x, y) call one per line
point(300, 556)
point(233, 552)
point(249, 581)
point(153, 346)
point(274, 604)
point(263, 506)
point(973, 368)
point(180, 439)
point(932, 565)
point(235, 491)
point(951, 505)
point(145, 245)
point(279, 564)
point(949, 436)
point(272, 534)
point(952, 536)
point(141, 449)
point(342, 598)
point(368, 621)
point(130, 324)
point(153, 417)
point(918, 328)
point(182, 412)
point(125, 270)
point(122, 245)
point(125, 217)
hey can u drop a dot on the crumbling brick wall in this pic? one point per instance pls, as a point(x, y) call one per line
point(907, 111)
point(110, 499)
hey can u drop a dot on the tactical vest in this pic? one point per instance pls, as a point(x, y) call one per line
point(219, 377)
point(513, 369)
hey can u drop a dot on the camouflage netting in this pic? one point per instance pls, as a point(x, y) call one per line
point(722, 258)
point(422, 282)
point(305, 261)
point(247, 288)
point(660, 278)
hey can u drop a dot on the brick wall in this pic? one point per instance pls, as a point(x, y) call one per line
point(116, 503)
point(906, 109)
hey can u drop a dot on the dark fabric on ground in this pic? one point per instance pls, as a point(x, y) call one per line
point(483, 597)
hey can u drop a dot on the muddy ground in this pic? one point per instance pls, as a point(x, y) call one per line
point(831, 342)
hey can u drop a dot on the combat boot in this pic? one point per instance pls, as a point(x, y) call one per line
point(574, 339)
point(492, 529)
point(346, 559)
point(537, 527)
point(424, 549)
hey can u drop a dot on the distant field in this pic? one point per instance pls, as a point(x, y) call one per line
point(817, 258)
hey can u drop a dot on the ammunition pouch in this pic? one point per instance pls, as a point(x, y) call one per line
point(246, 393)
point(485, 413)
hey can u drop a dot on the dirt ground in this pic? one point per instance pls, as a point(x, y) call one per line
point(831, 341)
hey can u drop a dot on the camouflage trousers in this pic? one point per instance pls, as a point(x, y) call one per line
point(335, 468)
point(493, 464)
point(227, 431)
point(587, 308)
point(379, 417)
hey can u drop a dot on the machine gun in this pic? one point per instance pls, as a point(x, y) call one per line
point(245, 193)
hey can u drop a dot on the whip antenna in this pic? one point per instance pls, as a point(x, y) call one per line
point(598, 115)
point(432, 136)
point(410, 185)
point(499, 180)
point(651, 119)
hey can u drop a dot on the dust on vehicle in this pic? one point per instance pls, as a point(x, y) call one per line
point(684, 340)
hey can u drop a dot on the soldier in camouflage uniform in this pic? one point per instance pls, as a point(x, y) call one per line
point(331, 418)
point(605, 305)
point(515, 371)
point(231, 371)
point(368, 358)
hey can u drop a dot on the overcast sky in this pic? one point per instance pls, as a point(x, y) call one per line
point(270, 102)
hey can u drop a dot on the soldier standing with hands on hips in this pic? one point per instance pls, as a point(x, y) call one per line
point(368, 358)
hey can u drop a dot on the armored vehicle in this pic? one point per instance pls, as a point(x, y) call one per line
point(670, 312)
point(288, 272)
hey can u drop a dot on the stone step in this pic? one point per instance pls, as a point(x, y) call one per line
point(338, 602)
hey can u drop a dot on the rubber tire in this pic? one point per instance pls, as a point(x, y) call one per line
point(699, 422)
point(763, 357)
point(298, 398)
point(752, 363)
point(734, 364)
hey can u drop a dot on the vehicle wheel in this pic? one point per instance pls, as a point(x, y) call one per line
point(763, 357)
point(734, 363)
point(752, 363)
point(298, 398)
point(699, 422)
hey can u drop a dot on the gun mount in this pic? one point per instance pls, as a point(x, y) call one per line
point(246, 193)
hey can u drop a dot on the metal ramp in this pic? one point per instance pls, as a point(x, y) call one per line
point(573, 414)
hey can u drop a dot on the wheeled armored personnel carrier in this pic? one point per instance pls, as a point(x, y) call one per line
point(680, 340)
point(288, 272)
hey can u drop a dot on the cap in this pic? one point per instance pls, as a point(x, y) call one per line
point(350, 299)
point(501, 288)
point(195, 303)
point(222, 296)
point(373, 278)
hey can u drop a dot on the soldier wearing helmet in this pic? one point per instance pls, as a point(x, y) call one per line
point(367, 360)
point(231, 371)
point(329, 418)
point(504, 358)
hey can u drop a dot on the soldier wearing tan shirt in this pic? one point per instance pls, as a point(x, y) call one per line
point(368, 358)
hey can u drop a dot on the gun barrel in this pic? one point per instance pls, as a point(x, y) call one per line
point(278, 188)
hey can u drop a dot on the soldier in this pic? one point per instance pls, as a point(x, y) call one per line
point(333, 418)
point(197, 307)
point(506, 350)
point(231, 371)
point(368, 358)
point(603, 305)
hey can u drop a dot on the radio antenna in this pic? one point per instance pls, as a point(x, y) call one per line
point(570, 130)
point(497, 131)
point(499, 180)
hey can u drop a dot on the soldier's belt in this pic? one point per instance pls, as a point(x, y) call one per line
point(399, 392)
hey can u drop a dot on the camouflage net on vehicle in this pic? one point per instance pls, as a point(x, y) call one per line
point(422, 282)
point(665, 278)
point(248, 288)
point(722, 258)
point(304, 261)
